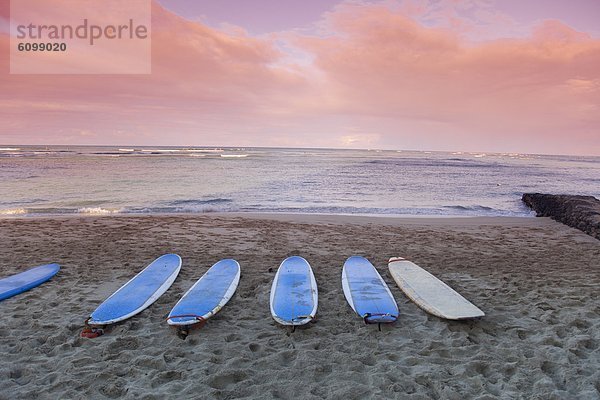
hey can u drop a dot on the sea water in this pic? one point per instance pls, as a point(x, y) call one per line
point(38, 180)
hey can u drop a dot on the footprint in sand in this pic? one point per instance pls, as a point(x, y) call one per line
point(223, 380)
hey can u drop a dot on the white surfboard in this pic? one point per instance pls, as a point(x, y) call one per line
point(430, 293)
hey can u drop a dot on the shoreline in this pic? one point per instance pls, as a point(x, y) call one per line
point(282, 216)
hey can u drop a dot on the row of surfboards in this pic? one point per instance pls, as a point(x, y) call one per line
point(294, 294)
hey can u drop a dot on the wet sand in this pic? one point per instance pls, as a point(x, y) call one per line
point(536, 280)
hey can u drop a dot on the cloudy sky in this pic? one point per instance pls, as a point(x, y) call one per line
point(473, 75)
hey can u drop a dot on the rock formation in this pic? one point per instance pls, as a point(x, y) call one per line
point(581, 212)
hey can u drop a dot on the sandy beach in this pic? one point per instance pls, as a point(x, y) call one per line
point(537, 281)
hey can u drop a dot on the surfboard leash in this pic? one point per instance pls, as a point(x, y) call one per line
point(199, 318)
point(299, 318)
point(184, 331)
point(89, 331)
point(369, 315)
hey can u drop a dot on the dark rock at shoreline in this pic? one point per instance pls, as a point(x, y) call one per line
point(581, 212)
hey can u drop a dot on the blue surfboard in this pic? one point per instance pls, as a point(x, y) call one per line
point(140, 292)
point(294, 296)
point(208, 295)
point(21, 282)
point(367, 293)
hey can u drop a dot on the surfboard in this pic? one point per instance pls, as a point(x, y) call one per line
point(139, 293)
point(23, 281)
point(430, 293)
point(367, 292)
point(208, 295)
point(294, 296)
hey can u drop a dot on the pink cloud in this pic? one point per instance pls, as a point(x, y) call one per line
point(376, 76)
point(201, 77)
point(509, 94)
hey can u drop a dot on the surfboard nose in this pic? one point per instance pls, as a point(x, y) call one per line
point(392, 259)
point(295, 261)
point(169, 258)
point(355, 259)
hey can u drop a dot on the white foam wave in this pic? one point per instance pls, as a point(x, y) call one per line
point(13, 211)
point(161, 150)
point(234, 155)
point(9, 149)
point(97, 211)
point(204, 150)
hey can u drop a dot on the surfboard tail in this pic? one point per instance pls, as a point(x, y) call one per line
point(379, 318)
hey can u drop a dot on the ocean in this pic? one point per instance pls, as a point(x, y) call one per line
point(40, 180)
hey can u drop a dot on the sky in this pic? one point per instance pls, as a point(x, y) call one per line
point(472, 75)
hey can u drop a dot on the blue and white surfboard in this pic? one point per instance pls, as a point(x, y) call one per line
point(21, 282)
point(208, 295)
point(367, 292)
point(140, 292)
point(294, 296)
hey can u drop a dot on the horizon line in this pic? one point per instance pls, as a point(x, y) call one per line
point(304, 148)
